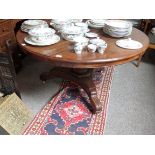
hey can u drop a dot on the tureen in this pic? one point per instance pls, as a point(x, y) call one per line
point(41, 34)
point(83, 26)
point(60, 21)
point(30, 24)
point(59, 24)
point(70, 32)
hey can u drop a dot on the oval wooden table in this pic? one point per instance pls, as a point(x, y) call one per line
point(78, 68)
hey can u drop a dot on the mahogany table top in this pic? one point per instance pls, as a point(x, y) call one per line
point(62, 53)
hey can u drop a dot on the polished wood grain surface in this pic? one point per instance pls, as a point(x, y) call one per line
point(113, 54)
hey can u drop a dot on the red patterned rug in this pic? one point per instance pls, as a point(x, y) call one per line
point(68, 112)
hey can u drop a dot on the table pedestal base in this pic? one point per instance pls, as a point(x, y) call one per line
point(81, 77)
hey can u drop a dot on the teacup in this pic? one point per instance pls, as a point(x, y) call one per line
point(81, 40)
point(101, 48)
point(78, 48)
point(92, 48)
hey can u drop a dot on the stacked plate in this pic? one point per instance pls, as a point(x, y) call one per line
point(117, 28)
point(30, 24)
point(96, 23)
point(42, 37)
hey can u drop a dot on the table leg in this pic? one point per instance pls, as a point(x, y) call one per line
point(139, 60)
point(81, 77)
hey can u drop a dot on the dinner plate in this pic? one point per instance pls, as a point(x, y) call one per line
point(52, 41)
point(129, 44)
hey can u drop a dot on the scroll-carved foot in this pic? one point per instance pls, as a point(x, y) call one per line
point(97, 107)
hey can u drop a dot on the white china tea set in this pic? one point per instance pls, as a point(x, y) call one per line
point(92, 45)
point(78, 32)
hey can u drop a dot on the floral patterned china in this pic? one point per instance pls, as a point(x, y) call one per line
point(34, 22)
point(41, 32)
point(97, 41)
point(96, 23)
point(70, 32)
point(117, 28)
point(76, 20)
point(81, 40)
point(92, 48)
point(83, 26)
point(91, 35)
point(129, 44)
point(53, 40)
point(78, 48)
point(30, 24)
point(119, 24)
point(101, 48)
point(59, 24)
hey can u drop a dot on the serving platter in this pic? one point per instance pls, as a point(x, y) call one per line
point(129, 44)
